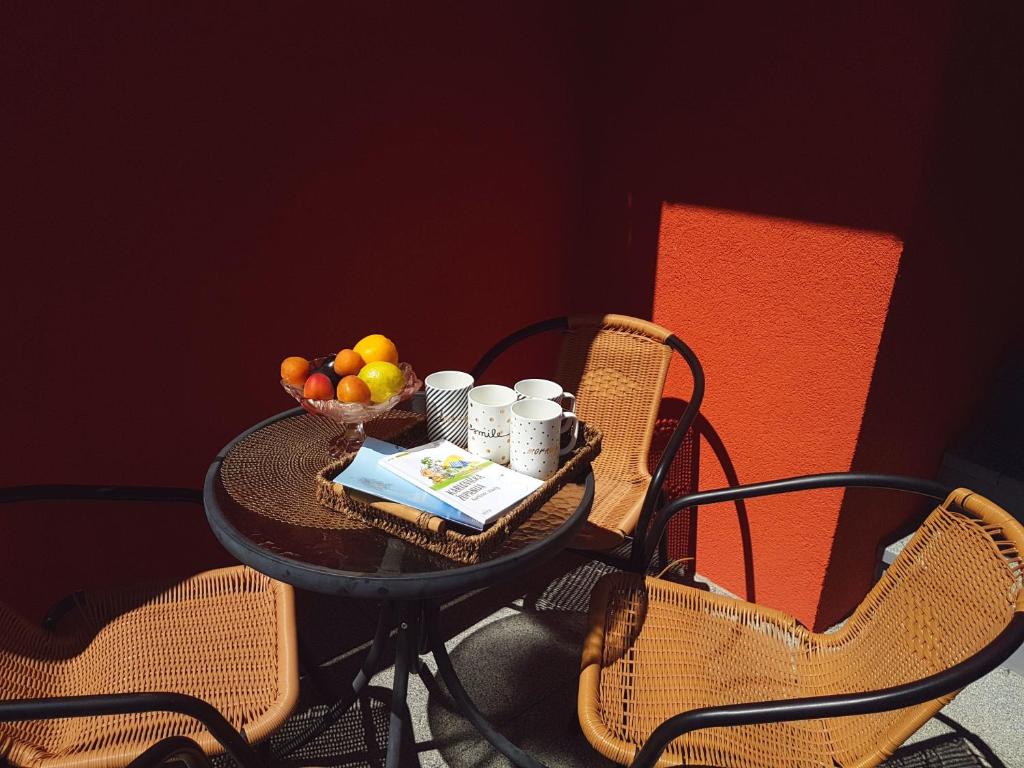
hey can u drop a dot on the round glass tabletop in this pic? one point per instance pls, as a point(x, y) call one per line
point(260, 499)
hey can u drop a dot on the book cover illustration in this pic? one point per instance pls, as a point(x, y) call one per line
point(475, 486)
point(450, 469)
point(366, 474)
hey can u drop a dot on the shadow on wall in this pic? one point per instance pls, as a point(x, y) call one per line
point(681, 479)
point(954, 314)
point(684, 478)
point(51, 549)
point(714, 442)
point(808, 116)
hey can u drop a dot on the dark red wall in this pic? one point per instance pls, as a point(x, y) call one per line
point(189, 197)
point(954, 316)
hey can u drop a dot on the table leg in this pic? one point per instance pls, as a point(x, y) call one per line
point(361, 680)
point(406, 657)
point(462, 700)
point(413, 620)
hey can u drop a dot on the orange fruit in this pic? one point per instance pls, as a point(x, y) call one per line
point(348, 363)
point(294, 370)
point(376, 348)
point(352, 389)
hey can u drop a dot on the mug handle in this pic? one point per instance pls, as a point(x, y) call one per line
point(569, 421)
point(568, 404)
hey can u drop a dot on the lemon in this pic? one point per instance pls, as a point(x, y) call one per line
point(377, 347)
point(384, 379)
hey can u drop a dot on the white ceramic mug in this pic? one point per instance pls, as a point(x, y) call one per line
point(448, 406)
point(544, 389)
point(537, 427)
point(490, 418)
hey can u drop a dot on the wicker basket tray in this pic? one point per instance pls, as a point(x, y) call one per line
point(452, 544)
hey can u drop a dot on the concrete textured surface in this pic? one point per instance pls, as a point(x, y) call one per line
point(748, 293)
point(519, 664)
point(992, 710)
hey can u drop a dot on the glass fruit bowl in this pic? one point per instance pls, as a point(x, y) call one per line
point(352, 416)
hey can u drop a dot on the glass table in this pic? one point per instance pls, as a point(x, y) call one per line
point(260, 502)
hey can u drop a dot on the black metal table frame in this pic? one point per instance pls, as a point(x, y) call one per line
point(418, 632)
point(411, 602)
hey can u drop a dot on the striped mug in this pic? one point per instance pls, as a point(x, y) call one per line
point(448, 406)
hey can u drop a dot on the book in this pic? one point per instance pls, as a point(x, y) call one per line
point(365, 474)
point(476, 487)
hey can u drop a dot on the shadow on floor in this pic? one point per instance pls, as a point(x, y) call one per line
point(521, 671)
point(950, 751)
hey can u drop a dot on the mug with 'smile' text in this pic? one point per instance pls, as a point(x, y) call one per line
point(490, 418)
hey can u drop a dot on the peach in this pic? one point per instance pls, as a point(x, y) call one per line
point(318, 387)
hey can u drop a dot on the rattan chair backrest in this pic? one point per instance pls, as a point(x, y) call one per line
point(616, 365)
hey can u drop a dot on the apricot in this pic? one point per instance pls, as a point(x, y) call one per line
point(348, 363)
point(352, 389)
point(294, 370)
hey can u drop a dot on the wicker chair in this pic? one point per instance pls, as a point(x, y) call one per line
point(616, 366)
point(191, 663)
point(755, 688)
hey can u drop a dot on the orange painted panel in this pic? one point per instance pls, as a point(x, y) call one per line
point(786, 317)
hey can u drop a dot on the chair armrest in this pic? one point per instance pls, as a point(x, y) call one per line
point(647, 539)
point(128, 703)
point(554, 324)
point(843, 705)
point(19, 493)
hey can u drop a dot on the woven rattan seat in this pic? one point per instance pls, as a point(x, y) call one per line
point(616, 366)
point(225, 636)
point(656, 649)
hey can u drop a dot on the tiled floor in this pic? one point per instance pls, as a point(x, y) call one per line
point(520, 666)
